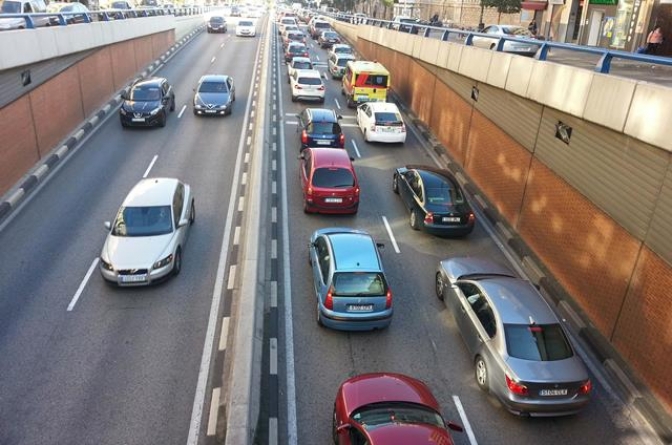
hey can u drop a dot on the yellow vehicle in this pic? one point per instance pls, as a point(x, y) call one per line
point(365, 81)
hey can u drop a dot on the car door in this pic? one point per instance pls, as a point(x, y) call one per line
point(232, 89)
point(305, 170)
point(178, 214)
point(321, 265)
point(473, 316)
point(361, 116)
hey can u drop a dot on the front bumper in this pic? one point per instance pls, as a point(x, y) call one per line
point(202, 110)
point(130, 120)
point(141, 279)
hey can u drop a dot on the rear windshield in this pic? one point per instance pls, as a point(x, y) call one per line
point(388, 118)
point(537, 342)
point(343, 62)
point(333, 177)
point(355, 284)
point(309, 81)
point(9, 7)
point(446, 196)
point(295, 36)
point(303, 65)
point(322, 25)
point(371, 80)
point(297, 49)
point(329, 35)
point(343, 50)
point(324, 128)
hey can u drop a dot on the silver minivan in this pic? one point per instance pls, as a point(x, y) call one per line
point(350, 285)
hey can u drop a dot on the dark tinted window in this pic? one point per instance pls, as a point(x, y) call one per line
point(213, 87)
point(9, 7)
point(343, 50)
point(386, 118)
point(146, 93)
point(245, 23)
point(119, 5)
point(384, 413)
point(329, 35)
point(444, 195)
point(303, 65)
point(321, 25)
point(342, 62)
point(216, 19)
point(537, 342)
point(143, 221)
point(333, 177)
point(309, 81)
point(324, 128)
point(359, 283)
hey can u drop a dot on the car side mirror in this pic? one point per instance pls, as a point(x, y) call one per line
point(352, 159)
point(108, 225)
point(339, 117)
point(344, 427)
point(301, 156)
point(380, 245)
point(124, 96)
point(455, 427)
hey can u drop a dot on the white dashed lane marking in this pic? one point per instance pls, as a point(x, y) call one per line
point(389, 232)
point(82, 285)
point(184, 107)
point(151, 164)
point(354, 145)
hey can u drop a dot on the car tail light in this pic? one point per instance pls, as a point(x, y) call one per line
point(403, 128)
point(515, 387)
point(373, 127)
point(429, 218)
point(320, 88)
point(388, 299)
point(329, 300)
point(298, 87)
point(341, 140)
point(586, 387)
point(471, 217)
point(304, 137)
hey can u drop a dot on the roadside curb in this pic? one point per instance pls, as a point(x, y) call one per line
point(626, 383)
point(40, 171)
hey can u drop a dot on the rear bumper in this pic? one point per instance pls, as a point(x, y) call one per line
point(360, 324)
point(344, 209)
point(390, 138)
point(439, 230)
point(545, 408)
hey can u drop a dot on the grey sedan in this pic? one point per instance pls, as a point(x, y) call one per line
point(148, 235)
point(510, 46)
point(214, 95)
point(519, 348)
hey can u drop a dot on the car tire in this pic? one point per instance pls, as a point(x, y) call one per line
point(306, 209)
point(334, 436)
point(342, 92)
point(172, 104)
point(162, 121)
point(177, 262)
point(351, 103)
point(395, 183)
point(481, 374)
point(414, 220)
point(192, 214)
point(293, 98)
point(439, 286)
point(366, 137)
point(319, 315)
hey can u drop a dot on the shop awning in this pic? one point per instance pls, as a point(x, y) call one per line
point(534, 6)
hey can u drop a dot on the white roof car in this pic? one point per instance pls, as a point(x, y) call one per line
point(246, 28)
point(381, 122)
point(307, 84)
point(301, 63)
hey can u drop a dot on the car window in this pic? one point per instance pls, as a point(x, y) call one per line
point(146, 93)
point(10, 7)
point(537, 342)
point(323, 258)
point(414, 182)
point(143, 221)
point(213, 87)
point(307, 163)
point(483, 312)
point(333, 177)
point(245, 23)
point(310, 81)
point(374, 415)
point(356, 284)
point(178, 203)
point(303, 65)
point(216, 19)
point(371, 80)
point(324, 128)
point(443, 196)
point(387, 118)
point(343, 62)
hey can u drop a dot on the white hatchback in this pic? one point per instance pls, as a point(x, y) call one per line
point(381, 122)
point(307, 84)
point(246, 28)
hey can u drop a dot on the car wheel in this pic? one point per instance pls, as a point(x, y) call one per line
point(164, 118)
point(481, 371)
point(366, 137)
point(395, 184)
point(334, 436)
point(319, 315)
point(177, 262)
point(192, 214)
point(439, 286)
point(415, 220)
point(351, 103)
point(342, 92)
point(172, 104)
point(306, 209)
point(293, 98)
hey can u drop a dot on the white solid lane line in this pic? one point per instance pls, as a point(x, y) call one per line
point(465, 421)
point(151, 164)
point(214, 407)
point(389, 232)
point(354, 145)
point(184, 107)
point(82, 285)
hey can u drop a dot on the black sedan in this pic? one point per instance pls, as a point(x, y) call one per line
point(214, 95)
point(328, 39)
point(147, 103)
point(435, 199)
point(217, 24)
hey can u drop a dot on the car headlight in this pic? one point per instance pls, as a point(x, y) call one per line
point(155, 111)
point(164, 262)
point(105, 265)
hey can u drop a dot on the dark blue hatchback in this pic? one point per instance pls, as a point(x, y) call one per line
point(318, 127)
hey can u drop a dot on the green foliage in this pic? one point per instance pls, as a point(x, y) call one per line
point(503, 6)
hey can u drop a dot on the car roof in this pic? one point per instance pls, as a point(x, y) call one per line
point(301, 59)
point(517, 301)
point(296, 44)
point(213, 78)
point(152, 81)
point(367, 65)
point(152, 192)
point(433, 179)
point(329, 157)
point(340, 45)
point(354, 252)
point(322, 115)
point(308, 73)
point(383, 106)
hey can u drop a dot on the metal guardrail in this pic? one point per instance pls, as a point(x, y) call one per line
point(544, 46)
point(63, 19)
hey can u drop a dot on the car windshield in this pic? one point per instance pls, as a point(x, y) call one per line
point(355, 284)
point(303, 65)
point(143, 221)
point(297, 49)
point(324, 128)
point(213, 87)
point(408, 20)
point(537, 342)
point(309, 81)
point(343, 50)
point(515, 31)
point(387, 118)
point(385, 413)
point(446, 196)
point(245, 23)
point(141, 94)
point(9, 7)
point(371, 80)
point(329, 35)
point(216, 19)
point(333, 177)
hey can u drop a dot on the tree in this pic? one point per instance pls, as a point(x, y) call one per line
point(502, 6)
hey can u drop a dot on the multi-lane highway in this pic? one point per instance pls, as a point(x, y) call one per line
point(82, 362)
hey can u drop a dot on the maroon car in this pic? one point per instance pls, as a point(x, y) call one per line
point(385, 409)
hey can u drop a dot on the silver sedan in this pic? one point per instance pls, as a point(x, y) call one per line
point(147, 237)
point(510, 46)
point(519, 348)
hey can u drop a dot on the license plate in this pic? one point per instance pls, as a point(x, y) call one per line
point(210, 111)
point(333, 200)
point(553, 392)
point(133, 278)
point(451, 219)
point(322, 142)
point(389, 129)
point(138, 119)
point(360, 307)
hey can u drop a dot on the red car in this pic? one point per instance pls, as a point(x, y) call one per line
point(386, 409)
point(295, 49)
point(328, 181)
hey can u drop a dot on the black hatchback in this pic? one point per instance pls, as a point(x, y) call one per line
point(318, 127)
point(147, 103)
point(217, 24)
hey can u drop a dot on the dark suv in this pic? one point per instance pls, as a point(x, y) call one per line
point(318, 127)
point(147, 103)
point(217, 24)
